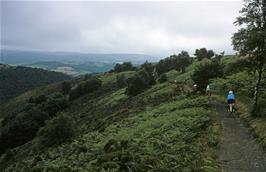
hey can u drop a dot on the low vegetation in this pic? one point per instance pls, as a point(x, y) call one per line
point(156, 127)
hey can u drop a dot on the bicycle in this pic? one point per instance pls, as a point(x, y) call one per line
point(231, 109)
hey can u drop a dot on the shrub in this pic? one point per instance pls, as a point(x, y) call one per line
point(57, 130)
point(21, 129)
point(85, 87)
point(65, 87)
point(162, 78)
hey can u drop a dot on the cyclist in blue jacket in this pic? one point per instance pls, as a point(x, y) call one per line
point(230, 99)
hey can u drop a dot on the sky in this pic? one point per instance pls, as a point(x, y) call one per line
point(154, 27)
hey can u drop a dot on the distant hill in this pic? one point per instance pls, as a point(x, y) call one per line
point(74, 68)
point(16, 80)
point(71, 62)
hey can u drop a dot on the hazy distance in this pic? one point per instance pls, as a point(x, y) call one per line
point(154, 28)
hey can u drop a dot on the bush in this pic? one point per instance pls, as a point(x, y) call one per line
point(57, 130)
point(162, 78)
point(139, 83)
point(126, 66)
point(204, 72)
point(38, 100)
point(65, 87)
point(55, 103)
point(21, 129)
point(16, 133)
point(238, 66)
point(85, 87)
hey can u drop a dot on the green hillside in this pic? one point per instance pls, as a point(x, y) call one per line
point(132, 120)
point(16, 80)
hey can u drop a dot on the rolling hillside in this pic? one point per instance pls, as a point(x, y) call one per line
point(16, 80)
point(99, 125)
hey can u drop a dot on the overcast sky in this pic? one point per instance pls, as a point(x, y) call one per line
point(155, 28)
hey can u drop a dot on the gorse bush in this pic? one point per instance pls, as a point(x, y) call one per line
point(85, 87)
point(57, 130)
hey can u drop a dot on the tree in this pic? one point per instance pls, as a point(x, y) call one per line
point(178, 62)
point(183, 60)
point(166, 64)
point(204, 72)
point(203, 53)
point(218, 57)
point(250, 40)
point(139, 82)
point(149, 71)
point(56, 102)
point(126, 66)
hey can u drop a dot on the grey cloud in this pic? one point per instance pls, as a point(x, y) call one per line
point(158, 28)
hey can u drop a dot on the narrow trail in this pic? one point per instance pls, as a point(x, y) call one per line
point(239, 152)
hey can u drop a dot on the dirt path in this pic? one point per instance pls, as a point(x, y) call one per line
point(239, 152)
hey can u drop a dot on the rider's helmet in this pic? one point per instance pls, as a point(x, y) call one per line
point(230, 92)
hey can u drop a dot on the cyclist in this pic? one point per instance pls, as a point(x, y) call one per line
point(208, 90)
point(195, 88)
point(230, 101)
